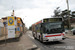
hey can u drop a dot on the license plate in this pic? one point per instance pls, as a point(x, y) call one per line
point(55, 39)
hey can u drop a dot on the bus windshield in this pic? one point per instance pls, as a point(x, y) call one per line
point(54, 27)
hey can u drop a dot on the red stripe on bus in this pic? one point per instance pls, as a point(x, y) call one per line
point(54, 35)
point(62, 33)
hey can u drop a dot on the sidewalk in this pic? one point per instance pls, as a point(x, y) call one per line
point(70, 36)
point(24, 44)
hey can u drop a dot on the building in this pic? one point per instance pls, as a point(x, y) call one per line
point(19, 27)
point(1, 28)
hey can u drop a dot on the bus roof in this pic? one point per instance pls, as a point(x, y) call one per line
point(37, 22)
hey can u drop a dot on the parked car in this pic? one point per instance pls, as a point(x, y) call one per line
point(73, 31)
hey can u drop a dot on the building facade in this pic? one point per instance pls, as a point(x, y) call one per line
point(19, 27)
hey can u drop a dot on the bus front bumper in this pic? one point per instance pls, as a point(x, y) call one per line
point(48, 40)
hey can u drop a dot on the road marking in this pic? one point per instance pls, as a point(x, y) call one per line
point(31, 36)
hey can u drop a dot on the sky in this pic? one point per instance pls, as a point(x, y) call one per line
point(32, 11)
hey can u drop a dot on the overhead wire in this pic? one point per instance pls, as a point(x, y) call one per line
point(57, 5)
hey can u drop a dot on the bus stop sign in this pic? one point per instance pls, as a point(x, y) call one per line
point(11, 21)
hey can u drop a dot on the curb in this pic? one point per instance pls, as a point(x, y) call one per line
point(34, 48)
point(70, 38)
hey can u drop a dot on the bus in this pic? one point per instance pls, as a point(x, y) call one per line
point(49, 29)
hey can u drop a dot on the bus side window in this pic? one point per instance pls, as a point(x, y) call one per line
point(41, 30)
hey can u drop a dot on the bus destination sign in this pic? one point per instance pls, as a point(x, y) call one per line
point(52, 19)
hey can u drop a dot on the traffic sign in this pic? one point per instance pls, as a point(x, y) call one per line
point(11, 26)
point(11, 21)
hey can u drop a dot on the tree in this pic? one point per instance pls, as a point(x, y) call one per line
point(57, 12)
point(65, 15)
point(73, 14)
point(30, 28)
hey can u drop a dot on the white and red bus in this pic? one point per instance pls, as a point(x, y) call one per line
point(49, 29)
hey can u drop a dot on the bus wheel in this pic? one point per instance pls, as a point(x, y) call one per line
point(40, 39)
point(34, 37)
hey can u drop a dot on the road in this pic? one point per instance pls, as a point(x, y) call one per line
point(67, 44)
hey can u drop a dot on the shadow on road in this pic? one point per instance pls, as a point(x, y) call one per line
point(53, 43)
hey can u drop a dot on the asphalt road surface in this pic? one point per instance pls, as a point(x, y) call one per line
point(67, 44)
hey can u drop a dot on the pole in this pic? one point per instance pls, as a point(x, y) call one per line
point(5, 35)
point(68, 15)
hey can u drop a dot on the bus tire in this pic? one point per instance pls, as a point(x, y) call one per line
point(34, 37)
point(39, 38)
